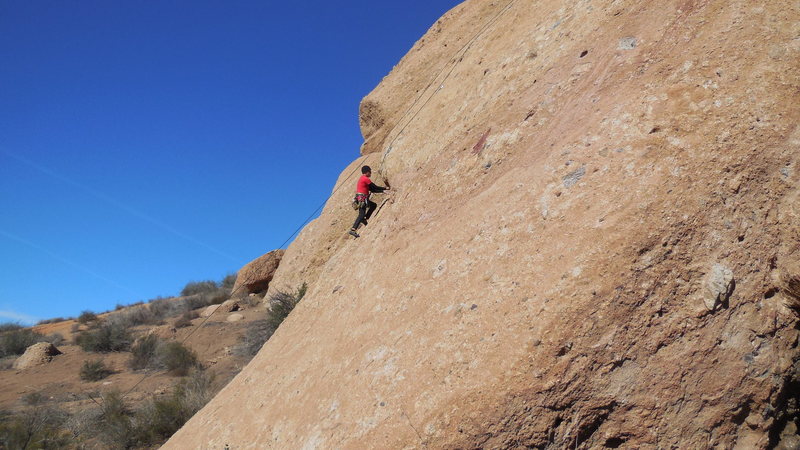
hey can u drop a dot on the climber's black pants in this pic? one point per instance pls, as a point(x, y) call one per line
point(365, 212)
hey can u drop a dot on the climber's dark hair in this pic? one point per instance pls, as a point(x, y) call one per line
point(365, 169)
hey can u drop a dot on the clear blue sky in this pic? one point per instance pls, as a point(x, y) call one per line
point(147, 144)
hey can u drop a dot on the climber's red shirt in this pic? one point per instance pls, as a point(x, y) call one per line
point(363, 185)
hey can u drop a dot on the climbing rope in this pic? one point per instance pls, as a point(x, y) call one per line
point(206, 319)
point(455, 60)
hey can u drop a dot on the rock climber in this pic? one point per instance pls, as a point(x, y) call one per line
point(361, 202)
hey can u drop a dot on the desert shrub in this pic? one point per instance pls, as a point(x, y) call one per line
point(17, 340)
point(281, 304)
point(228, 281)
point(177, 358)
point(115, 426)
point(217, 297)
point(108, 337)
point(158, 310)
point(186, 319)
point(162, 417)
point(254, 337)
point(163, 308)
point(54, 338)
point(131, 317)
point(7, 363)
point(10, 326)
point(150, 352)
point(195, 301)
point(198, 287)
point(143, 352)
point(212, 297)
point(55, 320)
point(34, 399)
point(258, 332)
point(94, 370)
point(37, 427)
point(87, 317)
point(252, 299)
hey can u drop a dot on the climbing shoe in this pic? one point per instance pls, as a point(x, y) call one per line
point(354, 234)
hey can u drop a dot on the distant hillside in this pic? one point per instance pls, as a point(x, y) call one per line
point(129, 378)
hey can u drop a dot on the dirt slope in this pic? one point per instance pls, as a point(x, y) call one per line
point(595, 207)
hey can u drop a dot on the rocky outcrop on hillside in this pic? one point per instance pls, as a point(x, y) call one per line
point(593, 242)
point(36, 355)
point(257, 274)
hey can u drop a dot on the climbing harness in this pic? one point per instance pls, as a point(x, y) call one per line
point(360, 200)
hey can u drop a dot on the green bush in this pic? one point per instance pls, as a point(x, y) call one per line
point(150, 352)
point(178, 359)
point(108, 337)
point(16, 340)
point(143, 353)
point(198, 287)
point(281, 304)
point(94, 370)
point(87, 317)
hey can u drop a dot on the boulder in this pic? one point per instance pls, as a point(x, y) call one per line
point(208, 312)
point(230, 306)
point(235, 317)
point(36, 355)
point(257, 274)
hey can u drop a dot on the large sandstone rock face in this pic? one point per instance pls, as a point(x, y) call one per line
point(36, 355)
point(593, 243)
point(257, 274)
